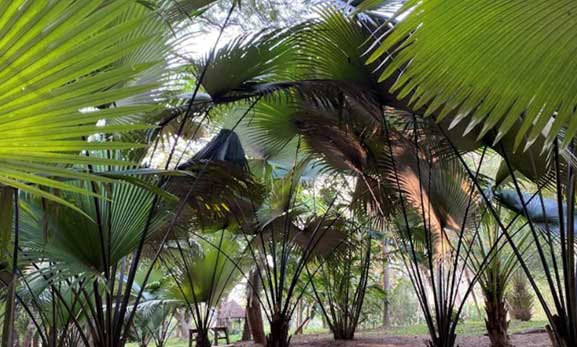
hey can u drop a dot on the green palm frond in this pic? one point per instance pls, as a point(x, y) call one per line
point(248, 61)
point(496, 274)
point(500, 61)
point(52, 232)
point(335, 46)
point(60, 61)
point(36, 294)
point(207, 274)
point(179, 10)
point(268, 130)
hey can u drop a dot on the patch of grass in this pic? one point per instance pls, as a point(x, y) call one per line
point(469, 328)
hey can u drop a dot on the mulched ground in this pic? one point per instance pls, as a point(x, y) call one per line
point(374, 340)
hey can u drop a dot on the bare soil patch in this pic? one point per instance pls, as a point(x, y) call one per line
point(373, 339)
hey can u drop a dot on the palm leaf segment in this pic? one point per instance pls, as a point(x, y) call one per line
point(60, 60)
point(497, 60)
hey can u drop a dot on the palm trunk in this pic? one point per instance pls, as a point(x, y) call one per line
point(202, 339)
point(343, 333)
point(496, 323)
point(279, 331)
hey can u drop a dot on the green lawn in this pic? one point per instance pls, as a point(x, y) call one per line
point(467, 328)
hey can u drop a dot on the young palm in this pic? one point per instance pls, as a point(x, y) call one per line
point(495, 279)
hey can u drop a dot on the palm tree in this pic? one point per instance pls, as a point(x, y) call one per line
point(290, 233)
point(341, 123)
point(90, 262)
point(153, 319)
point(495, 84)
point(495, 279)
point(203, 271)
point(341, 283)
point(551, 223)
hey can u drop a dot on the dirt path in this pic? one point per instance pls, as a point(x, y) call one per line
point(374, 340)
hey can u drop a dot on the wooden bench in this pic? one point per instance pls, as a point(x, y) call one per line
point(217, 336)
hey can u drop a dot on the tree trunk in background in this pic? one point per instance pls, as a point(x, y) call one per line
point(9, 314)
point(386, 285)
point(183, 326)
point(299, 317)
point(253, 310)
point(245, 329)
point(29, 336)
point(496, 323)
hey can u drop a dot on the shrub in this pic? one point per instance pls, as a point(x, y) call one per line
point(519, 299)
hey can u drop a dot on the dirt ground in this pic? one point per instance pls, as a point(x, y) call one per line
point(373, 340)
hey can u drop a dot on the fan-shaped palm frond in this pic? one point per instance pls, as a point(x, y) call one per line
point(335, 45)
point(323, 235)
point(115, 221)
point(61, 60)
point(207, 273)
point(439, 190)
point(497, 60)
point(246, 62)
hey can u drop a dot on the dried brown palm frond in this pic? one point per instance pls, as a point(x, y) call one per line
point(222, 185)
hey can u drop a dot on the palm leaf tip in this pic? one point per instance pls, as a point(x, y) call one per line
point(495, 59)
